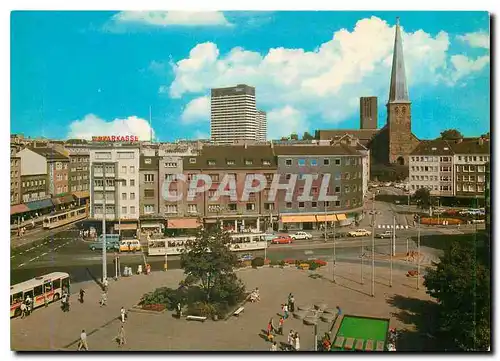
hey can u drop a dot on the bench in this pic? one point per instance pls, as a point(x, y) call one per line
point(238, 311)
point(369, 345)
point(380, 346)
point(349, 343)
point(339, 342)
point(196, 318)
point(359, 344)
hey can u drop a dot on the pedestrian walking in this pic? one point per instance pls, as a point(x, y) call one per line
point(280, 325)
point(270, 327)
point(122, 314)
point(121, 336)
point(82, 294)
point(104, 299)
point(274, 346)
point(83, 341)
point(290, 339)
point(28, 305)
point(179, 310)
point(292, 304)
point(105, 284)
point(297, 342)
point(23, 310)
point(285, 311)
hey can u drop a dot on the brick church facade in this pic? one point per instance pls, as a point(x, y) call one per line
point(391, 145)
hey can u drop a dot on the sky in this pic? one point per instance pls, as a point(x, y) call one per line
point(76, 74)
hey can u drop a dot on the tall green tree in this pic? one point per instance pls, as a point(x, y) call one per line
point(294, 136)
point(307, 136)
point(461, 285)
point(451, 134)
point(209, 261)
point(423, 198)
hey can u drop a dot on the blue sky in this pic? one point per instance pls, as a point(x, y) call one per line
point(77, 74)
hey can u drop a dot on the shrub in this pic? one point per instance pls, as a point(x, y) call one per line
point(320, 262)
point(274, 263)
point(282, 263)
point(257, 262)
point(289, 261)
point(313, 266)
point(202, 309)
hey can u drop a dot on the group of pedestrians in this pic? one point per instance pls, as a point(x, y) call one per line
point(293, 340)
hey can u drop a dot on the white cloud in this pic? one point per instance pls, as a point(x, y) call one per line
point(172, 18)
point(197, 110)
point(477, 39)
point(325, 82)
point(200, 135)
point(464, 66)
point(285, 121)
point(91, 125)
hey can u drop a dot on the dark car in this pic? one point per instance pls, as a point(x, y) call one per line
point(337, 234)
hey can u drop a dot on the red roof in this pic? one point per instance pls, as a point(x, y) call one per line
point(19, 208)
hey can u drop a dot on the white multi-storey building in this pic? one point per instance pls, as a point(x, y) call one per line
point(261, 126)
point(118, 166)
point(233, 114)
point(450, 167)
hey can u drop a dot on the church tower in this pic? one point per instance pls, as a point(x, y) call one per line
point(401, 140)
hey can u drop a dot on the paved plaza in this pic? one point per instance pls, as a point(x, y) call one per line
point(51, 329)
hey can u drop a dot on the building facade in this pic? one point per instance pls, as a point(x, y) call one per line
point(15, 180)
point(450, 168)
point(236, 162)
point(148, 185)
point(344, 168)
point(233, 114)
point(57, 169)
point(34, 178)
point(262, 126)
point(169, 167)
point(470, 160)
point(114, 176)
point(368, 113)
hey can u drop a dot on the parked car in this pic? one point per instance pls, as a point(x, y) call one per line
point(130, 245)
point(245, 257)
point(337, 234)
point(110, 245)
point(301, 235)
point(269, 236)
point(359, 233)
point(282, 240)
point(385, 234)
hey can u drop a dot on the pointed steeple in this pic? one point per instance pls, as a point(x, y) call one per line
point(398, 92)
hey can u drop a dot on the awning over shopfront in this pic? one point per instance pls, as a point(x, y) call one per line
point(18, 208)
point(125, 226)
point(183, 223)
point(341, 217)
point(151, 225)
point(36, 205)
point(63, 199)
point(298, 219)
point(327, 218)
point(81, 194)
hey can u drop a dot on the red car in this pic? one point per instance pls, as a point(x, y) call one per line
point(282, 240)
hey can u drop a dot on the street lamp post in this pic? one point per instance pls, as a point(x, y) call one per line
point(418, 254)
point(393, 242)
point(104, 265)
point(334, 254)
point(373, 249)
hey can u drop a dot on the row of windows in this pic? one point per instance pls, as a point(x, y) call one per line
point(33, 196)
point(345, 203)
point(424, 168)
point(471, 178)
point(80, 187)
point(270, 176)
point(14, 174)
point(470, 188)
point(302, 162)
point(59, 177)
point(79, 169)
point(110, 209)
point(470, 168)
point(60, 165)
point(79, 159)
point(435, 187)
point(75, 178)
point(33, 183)
point(61, 189)
point(474, 158)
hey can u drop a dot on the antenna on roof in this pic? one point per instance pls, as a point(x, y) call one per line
point(150, 126)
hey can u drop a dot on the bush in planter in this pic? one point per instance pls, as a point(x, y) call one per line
point(202, 309)
point(289, 261)
point(320, 262)
point(313, 266)
point(257, 262)
point(274, 263)
point(282, 263)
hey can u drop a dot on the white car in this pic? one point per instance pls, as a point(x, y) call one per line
point(301, 235)
point(359, 233)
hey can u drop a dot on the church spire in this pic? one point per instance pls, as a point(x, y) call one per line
point(398, 92)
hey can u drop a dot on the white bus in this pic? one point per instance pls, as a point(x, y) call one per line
point(175, 245)
point(48, 287)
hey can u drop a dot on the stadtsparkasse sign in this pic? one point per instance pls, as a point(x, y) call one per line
point(115, 138)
